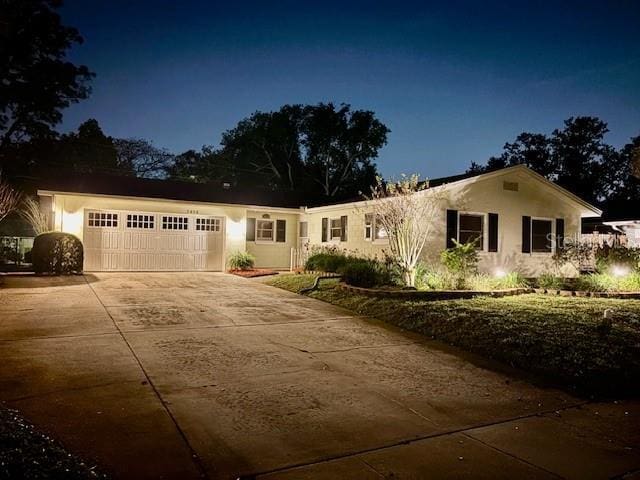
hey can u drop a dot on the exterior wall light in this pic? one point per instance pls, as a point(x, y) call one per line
point(499, 273)
point(619, 270)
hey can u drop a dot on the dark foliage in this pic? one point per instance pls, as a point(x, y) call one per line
point(57, 253)
point(578, 159)
point(29, 454)
point(323, 150)
point(36, 79)
point(364, 273)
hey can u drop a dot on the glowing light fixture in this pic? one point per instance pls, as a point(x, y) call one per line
point(236, 230)
point(619, 270)
point(499, 273)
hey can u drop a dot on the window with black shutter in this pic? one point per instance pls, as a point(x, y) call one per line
point(471, 229)
point(541, 241)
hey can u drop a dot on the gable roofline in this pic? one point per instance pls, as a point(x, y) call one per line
point(457, 180)
point(163, 190)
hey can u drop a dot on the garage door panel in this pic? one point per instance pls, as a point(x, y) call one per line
point(151, 245)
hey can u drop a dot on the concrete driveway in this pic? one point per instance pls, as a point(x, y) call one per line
point(192, 375)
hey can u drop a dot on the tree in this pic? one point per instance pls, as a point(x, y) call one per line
point(88, 150)
point(325, 151)
point(266, 148)
point(580, 156)
point(407, 211)
point(141, 157)
point(339, 146)
point(206, 166)
point(575, 156)
point(9, 198)
point(36, 81)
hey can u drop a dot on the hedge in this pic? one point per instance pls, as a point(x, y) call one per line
point(57, 253)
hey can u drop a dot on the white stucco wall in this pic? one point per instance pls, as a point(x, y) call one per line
point(274, 254)
point(68, 216)
point(534, 198)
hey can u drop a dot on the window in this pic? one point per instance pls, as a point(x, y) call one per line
point(471, 229)
point(336, 229)
point(101, 219)
point(304, 229)
point(541, 236)
point(264, 230)
point(140, 221)
point(373, 229)
point(175, 223)
point(368, 226)
point(208, 224)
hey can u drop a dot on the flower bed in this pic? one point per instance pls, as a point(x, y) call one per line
point(252, 273)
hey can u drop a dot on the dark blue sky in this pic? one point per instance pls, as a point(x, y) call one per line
point(453, 80)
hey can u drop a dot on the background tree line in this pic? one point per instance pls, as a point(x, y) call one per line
point(577, 158)
point(326, 151)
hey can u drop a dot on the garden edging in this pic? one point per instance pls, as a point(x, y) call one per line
point(434, 294)
point(462, 294)
point(585, 293)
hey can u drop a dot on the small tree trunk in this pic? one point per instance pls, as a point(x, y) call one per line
point(410, 277)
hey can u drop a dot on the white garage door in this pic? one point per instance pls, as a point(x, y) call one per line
point(143, 241)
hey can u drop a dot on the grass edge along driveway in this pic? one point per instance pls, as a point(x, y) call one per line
point(562, 339)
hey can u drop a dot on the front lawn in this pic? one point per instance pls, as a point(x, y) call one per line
point(562, 338)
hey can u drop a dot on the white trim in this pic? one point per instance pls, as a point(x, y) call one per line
point(485, 222)
point(273, 230)
point(596, 212)
point(553, 236)
point(330, 237)
point(293, 210)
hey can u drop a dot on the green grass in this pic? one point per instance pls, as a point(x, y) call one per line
point(561, 338)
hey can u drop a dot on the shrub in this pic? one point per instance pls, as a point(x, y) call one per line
point(548, 280)
point(607, 257)
point(429, 279)
point(462, 261)
point(488, 282)
point(241, 261)
point(57, 253)
point(604, 282)
point(327, 261)
point(630, 283)
point(362, 273)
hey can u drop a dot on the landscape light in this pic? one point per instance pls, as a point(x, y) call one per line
point(499, 273)
point(619, 270)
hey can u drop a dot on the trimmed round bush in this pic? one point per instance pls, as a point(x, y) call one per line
point(57, 253)
point(362, 274)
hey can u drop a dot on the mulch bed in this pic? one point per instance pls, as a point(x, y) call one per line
point(256, 272)
point(27, 453)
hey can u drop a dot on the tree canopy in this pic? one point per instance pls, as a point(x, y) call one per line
point(36, 81)
point(324, 150)
point(578, 158)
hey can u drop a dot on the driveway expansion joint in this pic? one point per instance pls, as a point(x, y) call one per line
point(194, 455)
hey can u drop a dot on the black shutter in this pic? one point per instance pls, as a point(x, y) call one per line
point(251, 229)
point(281, 230)
point(452, 227)
point(493, 232)
point(343, 228)
point(325, 229)
point(526, 234)
point(559, 234)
